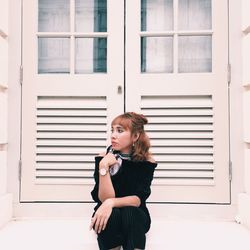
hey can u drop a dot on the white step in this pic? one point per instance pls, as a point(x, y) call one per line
point(73, 234)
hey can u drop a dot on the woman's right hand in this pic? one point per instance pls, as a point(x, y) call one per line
point(108, 160)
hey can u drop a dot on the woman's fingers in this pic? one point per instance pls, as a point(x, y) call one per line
point(93, 219)
point(104, 223)
point(99, 224)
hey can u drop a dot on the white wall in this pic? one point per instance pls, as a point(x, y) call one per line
point(5, 198)
point(244, 197)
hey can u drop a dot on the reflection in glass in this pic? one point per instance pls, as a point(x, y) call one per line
point(195, 54)
point(53, 16)
point(156, 15)
point(195, 14)
point(91, 16)
point(53, 55)
point(157, 54)
point(91, 55)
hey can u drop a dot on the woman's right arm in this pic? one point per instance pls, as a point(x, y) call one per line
point(106, 189)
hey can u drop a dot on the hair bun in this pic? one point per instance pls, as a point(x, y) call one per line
point(143, 119)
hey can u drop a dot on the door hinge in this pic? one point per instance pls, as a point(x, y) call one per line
point(229, 73)
point(21, 74)
point(20, 170)
point(230, 171)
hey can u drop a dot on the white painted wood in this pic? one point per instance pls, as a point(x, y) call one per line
point(246, 116)
point(245, 60)
point(243, 209)
point(6, 209)
point(67, 110)
point(3, 63)
point(3, 172)
point(247, 170)
point(245, 19)
point(3, 118)
point(4, 14)
point(166, 97)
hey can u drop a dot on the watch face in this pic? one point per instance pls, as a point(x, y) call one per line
point(103, 171)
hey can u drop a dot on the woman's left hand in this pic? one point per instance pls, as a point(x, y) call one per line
point(102, 214)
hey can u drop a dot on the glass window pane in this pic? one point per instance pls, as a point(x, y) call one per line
point(91, 15)
point(157, 54)
point(195, 54)
point(195, 14)
point(91, 55)
point(53, 55)
point(53, 16)
point(156, 15)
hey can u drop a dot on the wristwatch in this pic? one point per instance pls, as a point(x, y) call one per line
point(103, 171)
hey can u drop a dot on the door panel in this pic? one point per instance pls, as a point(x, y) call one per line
point(175, 64)
point(70, 86)
point(180, 71)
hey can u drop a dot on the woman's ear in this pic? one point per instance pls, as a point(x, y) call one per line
point(136, 137)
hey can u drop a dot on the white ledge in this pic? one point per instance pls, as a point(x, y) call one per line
point(3, 34)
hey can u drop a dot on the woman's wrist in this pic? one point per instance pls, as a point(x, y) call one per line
point(111, 202)
point(104, 165)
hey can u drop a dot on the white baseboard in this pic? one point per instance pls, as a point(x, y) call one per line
point(243, 215)
point(6, 209)
point(85, 210)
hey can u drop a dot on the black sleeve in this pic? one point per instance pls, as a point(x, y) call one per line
point(145, 177)
point(94, 192)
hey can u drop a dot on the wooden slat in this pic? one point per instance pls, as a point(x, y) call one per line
point(68, 150)
point(184, 174)
point(72, 112)
point(181, 142)
point(179, 127)
point(64, 173)
point(184, 158)
point(65, 181)
point(185, 166)
point(65, 165)
point(71, 102)
point(177, 112)
point(68, 158)
point(176, 120)
point(62, 127)
point(181, 135)
point(182, 150)
point(72, 142)
point(71, 120)
point(182, 182)
point(176, 101)
point(76, 135)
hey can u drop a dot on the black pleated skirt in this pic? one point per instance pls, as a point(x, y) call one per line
point(127, 227)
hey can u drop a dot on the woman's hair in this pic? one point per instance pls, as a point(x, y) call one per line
point(135, 123)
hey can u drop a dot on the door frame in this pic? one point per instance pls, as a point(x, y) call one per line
point(182, 210)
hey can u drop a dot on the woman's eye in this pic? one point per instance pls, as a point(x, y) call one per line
point(120, 130)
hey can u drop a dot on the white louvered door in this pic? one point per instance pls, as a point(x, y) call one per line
point(73, 65)
point(175, 64)
point(177, 77)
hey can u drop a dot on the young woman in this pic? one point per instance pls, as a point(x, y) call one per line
point(123, 177)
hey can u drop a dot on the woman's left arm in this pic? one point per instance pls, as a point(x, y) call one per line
point(102, 214)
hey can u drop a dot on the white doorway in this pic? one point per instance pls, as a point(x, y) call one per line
point(85, 63)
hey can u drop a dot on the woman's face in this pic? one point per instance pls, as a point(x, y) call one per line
point(121, 139)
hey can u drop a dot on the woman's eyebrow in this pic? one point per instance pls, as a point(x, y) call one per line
point(117, 126)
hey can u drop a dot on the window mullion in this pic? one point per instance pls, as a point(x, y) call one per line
point(175, 45)
point(72, 37)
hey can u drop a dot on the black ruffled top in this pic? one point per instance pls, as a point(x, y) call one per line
point(133, 178)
